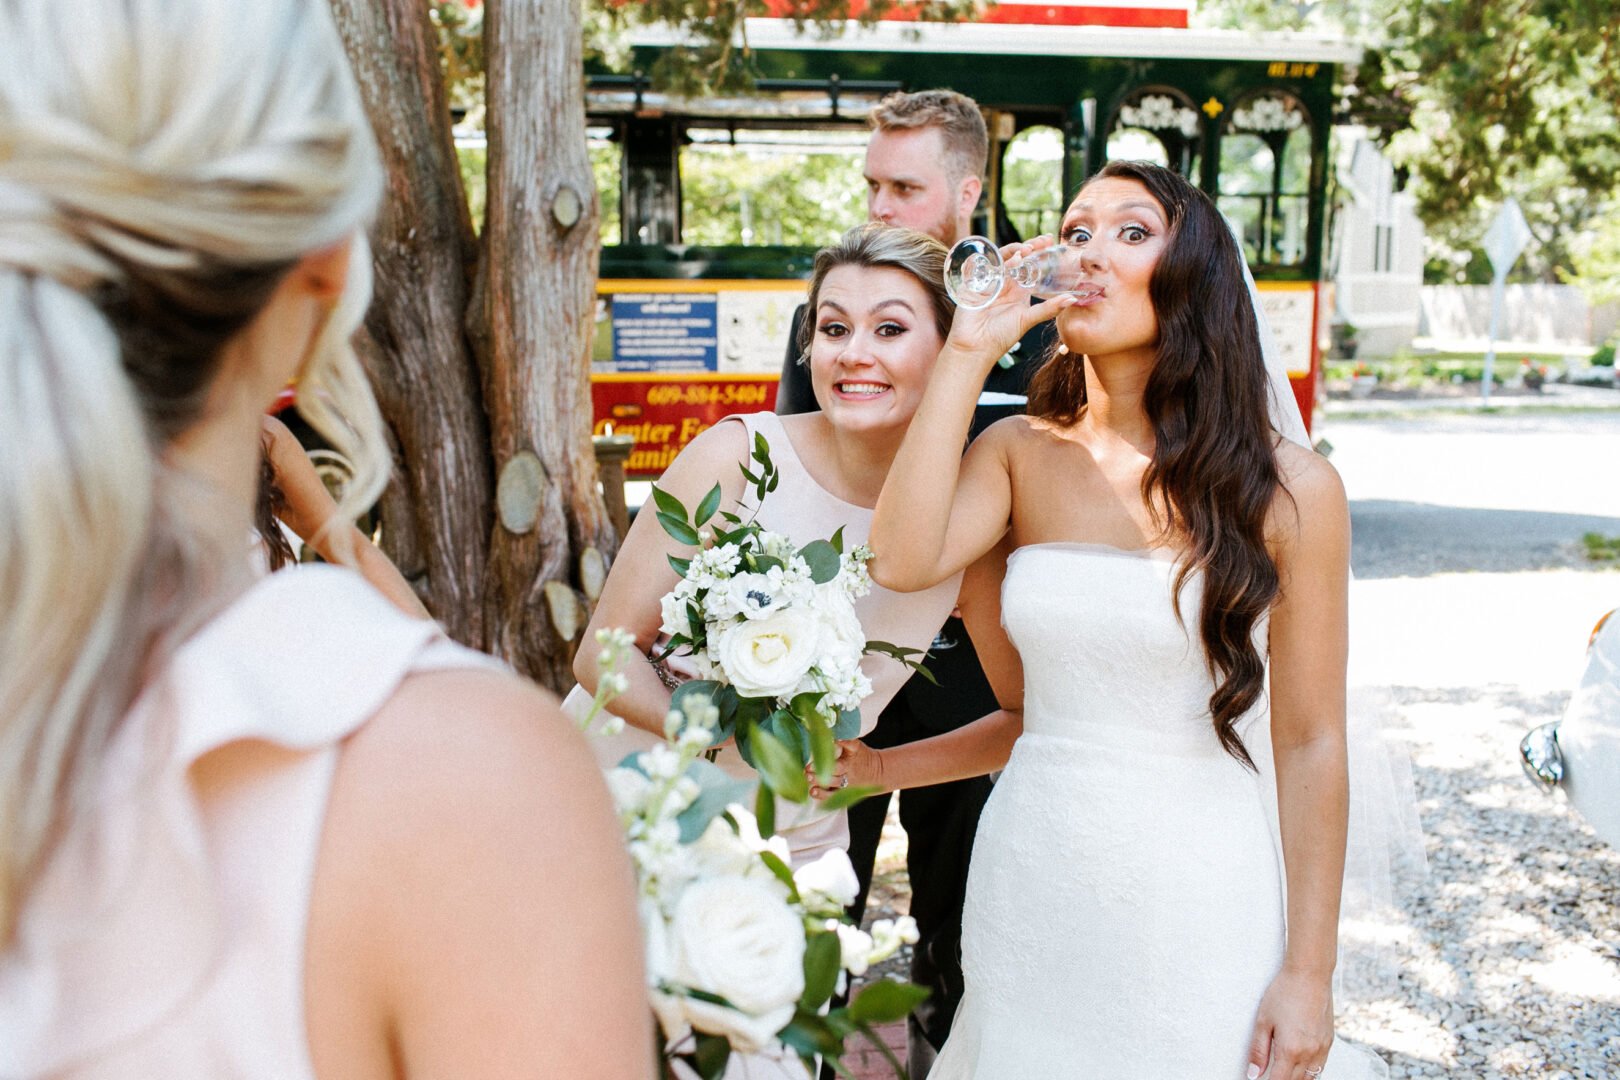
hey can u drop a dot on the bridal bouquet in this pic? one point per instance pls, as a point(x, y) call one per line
point(772, 631)
point(742, 953)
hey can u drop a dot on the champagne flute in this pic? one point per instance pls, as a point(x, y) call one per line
point(975, 272)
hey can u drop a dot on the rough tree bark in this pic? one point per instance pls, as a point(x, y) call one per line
point(535, 302)
point(466, 381)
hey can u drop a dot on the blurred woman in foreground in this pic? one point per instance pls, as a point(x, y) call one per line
point(248, 827)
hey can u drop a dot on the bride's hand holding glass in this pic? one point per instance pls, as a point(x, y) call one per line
point(992, 288)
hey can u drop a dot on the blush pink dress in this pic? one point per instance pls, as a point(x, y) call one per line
point(803, 510)
point(165, 939)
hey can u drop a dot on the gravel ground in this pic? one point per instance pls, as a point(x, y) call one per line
point(1510, 953)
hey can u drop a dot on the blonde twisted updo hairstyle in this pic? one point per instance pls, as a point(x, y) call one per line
point(163, 165)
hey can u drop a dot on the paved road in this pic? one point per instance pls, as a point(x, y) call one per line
point(1471, 610)
point(1492, 492)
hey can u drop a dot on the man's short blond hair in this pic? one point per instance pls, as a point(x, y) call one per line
point(957, 116)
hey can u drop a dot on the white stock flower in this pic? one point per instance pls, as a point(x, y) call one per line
point(829, 882)
point(628, 788)
point(766, 657)
point(889, 934)
point(748, 832)
point(734, 937)
point(854, 947)
point(722, 559)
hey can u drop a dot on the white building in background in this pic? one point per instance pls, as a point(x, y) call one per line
point(1377, 254)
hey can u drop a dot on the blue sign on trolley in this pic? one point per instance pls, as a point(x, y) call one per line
point(665, 332)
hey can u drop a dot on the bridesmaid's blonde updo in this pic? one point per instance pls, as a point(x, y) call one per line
point(163, 164)
point(879, 246)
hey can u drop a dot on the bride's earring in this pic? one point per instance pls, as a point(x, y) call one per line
point(1063, 350)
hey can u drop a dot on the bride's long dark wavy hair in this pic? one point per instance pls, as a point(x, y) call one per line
point(1214, 470)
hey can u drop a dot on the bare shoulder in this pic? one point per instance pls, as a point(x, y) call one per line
point(1311, 500)
point(465, 741)
point(709, 458)
point(1012, 434)
point(467, 830)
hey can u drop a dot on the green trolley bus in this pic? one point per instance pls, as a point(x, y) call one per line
point(713, 207)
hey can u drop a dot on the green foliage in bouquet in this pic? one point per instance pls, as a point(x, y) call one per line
point(778, 736)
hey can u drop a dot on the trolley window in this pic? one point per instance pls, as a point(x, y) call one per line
point(1032, 181)
point(1265, 177)
point(1160, 125)
point(750, 186)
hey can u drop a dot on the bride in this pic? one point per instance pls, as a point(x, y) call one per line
point(1131, 910)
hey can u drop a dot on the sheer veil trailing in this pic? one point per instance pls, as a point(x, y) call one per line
point(1384, 848)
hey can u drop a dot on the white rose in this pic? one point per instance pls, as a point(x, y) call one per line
point(828, 882)
point(839, 612)
point(672, 612)
point(736, 938)
point(766, 657)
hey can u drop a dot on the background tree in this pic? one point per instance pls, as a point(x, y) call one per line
point(478, 341)
point(1478, 100)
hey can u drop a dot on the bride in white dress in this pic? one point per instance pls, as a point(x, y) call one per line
point(1133, 908)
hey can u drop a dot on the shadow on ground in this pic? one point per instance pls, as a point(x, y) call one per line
point(1405, 539)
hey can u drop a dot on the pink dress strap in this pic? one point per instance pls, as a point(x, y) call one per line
point(166, 936)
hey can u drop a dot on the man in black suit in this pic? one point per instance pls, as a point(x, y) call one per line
point(924, 163)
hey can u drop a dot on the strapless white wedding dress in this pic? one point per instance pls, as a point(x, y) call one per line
point(1125, 902)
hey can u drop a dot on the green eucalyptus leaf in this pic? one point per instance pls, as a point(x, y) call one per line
point(823, 750)
point(886, 1001)
point(727, 515)
point(849, 724)
point(680, 566)
point(706, 508)
point(783, 872)
point(710, 1056)
point(821, 956)
point(786, 727)
point(781, 768)
point(823, 560)
point(765, 810)
point(844, 798)
point(679, 529)
point(668, 503)
point(813, 1031)
point(717, 789)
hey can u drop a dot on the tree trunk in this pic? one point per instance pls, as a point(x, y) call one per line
point(437, 510)
point(490, 382)
point(536, 302)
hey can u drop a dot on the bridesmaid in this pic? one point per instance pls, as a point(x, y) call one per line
point(250, 826)
point(879, 315)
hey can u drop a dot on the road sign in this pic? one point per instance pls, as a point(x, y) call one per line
point(1504, 241)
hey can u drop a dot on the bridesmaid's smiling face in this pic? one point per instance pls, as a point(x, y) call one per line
point(1120, 229)
point(874, 346)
